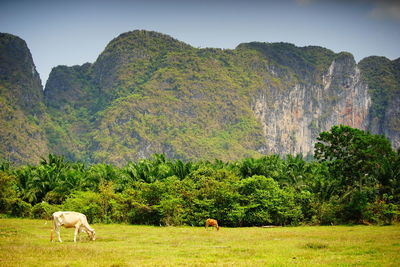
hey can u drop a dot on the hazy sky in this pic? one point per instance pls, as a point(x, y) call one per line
point(71, 32)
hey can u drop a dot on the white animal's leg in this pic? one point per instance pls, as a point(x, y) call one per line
point(56, 227)
point(81, 230)
point(58, 234)
point(57, 230)
point(76, 232)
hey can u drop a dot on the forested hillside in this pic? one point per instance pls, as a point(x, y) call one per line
point(22, 110)
point(383, 78)
point(149, 93)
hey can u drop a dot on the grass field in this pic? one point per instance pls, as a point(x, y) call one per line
point(25, 242)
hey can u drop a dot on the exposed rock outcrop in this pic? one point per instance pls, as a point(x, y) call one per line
point(297, 115)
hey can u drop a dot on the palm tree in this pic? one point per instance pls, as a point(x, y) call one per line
point(294, 172)
point(97, 173)
point(389, 177)
point(181, 169)
point(25, 176)
point(249, 167)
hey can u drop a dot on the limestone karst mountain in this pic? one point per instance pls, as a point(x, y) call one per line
point(150, 93)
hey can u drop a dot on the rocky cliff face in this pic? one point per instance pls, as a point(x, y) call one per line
point(22, 110)
point(293, 118)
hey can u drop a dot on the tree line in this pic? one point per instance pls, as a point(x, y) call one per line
point(353, 178)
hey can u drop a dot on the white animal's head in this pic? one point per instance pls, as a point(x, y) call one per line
point(92, 235)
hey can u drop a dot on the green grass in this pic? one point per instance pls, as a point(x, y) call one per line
point(25, 242)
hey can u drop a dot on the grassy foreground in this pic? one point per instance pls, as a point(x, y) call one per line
point(25, 242)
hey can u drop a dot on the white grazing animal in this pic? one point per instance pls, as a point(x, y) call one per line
point(71, 219)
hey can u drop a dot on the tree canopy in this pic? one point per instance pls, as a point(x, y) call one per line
point(355, 178)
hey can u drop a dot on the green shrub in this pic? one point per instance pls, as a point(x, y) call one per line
point(382, 212)
point(8, 196)
point(171, 211)
point(266, 203)
point(21, 208)
point(44, 210)
point(88, 203)
point(144, 214)
point(54, 197)
point(326, 213)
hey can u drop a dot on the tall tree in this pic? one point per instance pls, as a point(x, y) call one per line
point(353, 155)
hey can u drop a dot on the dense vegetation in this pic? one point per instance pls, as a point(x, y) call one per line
point(355, 178)
point(148, 93)
point(383, 78)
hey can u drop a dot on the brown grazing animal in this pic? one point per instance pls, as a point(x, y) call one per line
point(213, 223)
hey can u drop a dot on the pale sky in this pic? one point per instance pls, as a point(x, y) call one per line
point(73, 32)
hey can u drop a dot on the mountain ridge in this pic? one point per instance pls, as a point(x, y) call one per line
point(150, 93)
point(22, 110)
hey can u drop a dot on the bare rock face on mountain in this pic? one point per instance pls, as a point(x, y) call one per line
point(293, 118)
point(150, 93)
point(22, 109)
